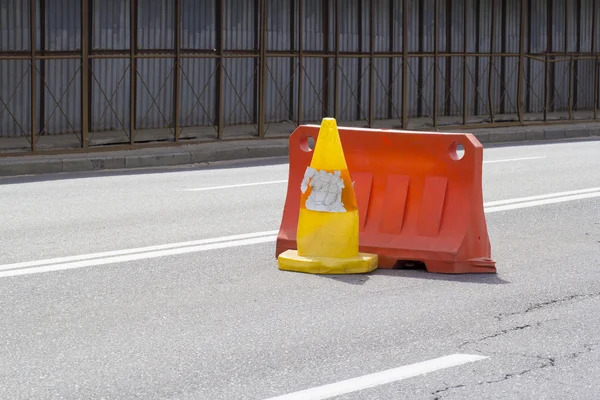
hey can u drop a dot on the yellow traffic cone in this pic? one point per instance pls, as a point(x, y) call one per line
point(327, 237)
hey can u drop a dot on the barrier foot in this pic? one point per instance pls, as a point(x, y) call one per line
point(482, 266)
point(387, 262)
point(291, 261)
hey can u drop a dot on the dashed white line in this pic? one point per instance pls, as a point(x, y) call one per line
point(237, 185)
point(380, 378)
point(512, 159)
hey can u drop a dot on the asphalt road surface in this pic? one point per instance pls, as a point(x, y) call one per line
point(137, 285)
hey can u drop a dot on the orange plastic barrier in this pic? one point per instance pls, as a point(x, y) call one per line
point(417, 199)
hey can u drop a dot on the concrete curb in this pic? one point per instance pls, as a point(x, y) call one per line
point(244, 150)
point(531, 134)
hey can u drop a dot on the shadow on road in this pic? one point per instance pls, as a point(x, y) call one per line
point(361, 279)
point(485, 279)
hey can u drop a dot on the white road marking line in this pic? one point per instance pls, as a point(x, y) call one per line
point(512, 159)
point(285, 180)
point(106, 254)
point(235, 186)
point(133, 257)
point(540, 197)
point(380, 378)
point(536, 203)
point(118, 256)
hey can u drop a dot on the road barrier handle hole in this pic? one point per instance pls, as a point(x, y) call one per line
point(307, 143)
point(457, 151)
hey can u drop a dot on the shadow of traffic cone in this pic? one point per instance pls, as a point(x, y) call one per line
point(327, 236)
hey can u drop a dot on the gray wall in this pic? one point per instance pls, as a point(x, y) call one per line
point(110, 28)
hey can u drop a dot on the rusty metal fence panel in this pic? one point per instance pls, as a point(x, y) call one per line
point(80, 75)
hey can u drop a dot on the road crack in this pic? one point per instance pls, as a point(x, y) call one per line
point(438, 393)
point(497, 334)
point(544, 362)
point(539, 306)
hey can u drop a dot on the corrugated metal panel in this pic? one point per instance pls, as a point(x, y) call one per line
point(583, 85)
point(279, 102)
point(156, 20)
point(198, 88)
point(312, 93)
point(15, 92)
point(279, 34)
point(597, 18)
point(558, 24)
point(63, 25)
point(62, 97)
point(585, 19)
point(397, 17)
point(239, 97)
point(396, 88)
point(559, 99)
point(535, 70)
point(381, 28)
point(240, 24)
point(572, 25)
point(198, 24)
point(381, 84)
point(110, 25)
point(349, 20)
point(281, 71)
point(312, 25)
point(111, 83)
point(154, 94)
point(511, 64)
point(14, 25)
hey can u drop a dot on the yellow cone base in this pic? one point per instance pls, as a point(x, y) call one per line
point(291, 261)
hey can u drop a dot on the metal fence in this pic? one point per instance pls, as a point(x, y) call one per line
point(81, 75)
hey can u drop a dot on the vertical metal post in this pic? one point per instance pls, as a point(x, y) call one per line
point(420, 60)
point(477, 59)
point(41, 113)
point(529, 62)
point(503, 58)
point(448, 77)
point(257, 68)
point(566, 14)
point(593, 51)
point(263, 68)
point(547, 68)
point(360, 62)
point(571, 88)
point(325, 61)
point(336, 102)
point(177, 71)
point(132, 68)
point(391, 75)
point(521, 62)
point(436, 49)
point(465, 48)
point(220, 33)
point(371, 62)
point(33, 76)
point(576, 61)
point(404, 64)
point(300, 59)
point(292, 33)
point(491, 63)
point(85, 71)
point(596, 72)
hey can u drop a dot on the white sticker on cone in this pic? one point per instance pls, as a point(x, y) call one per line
point(326, 190)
